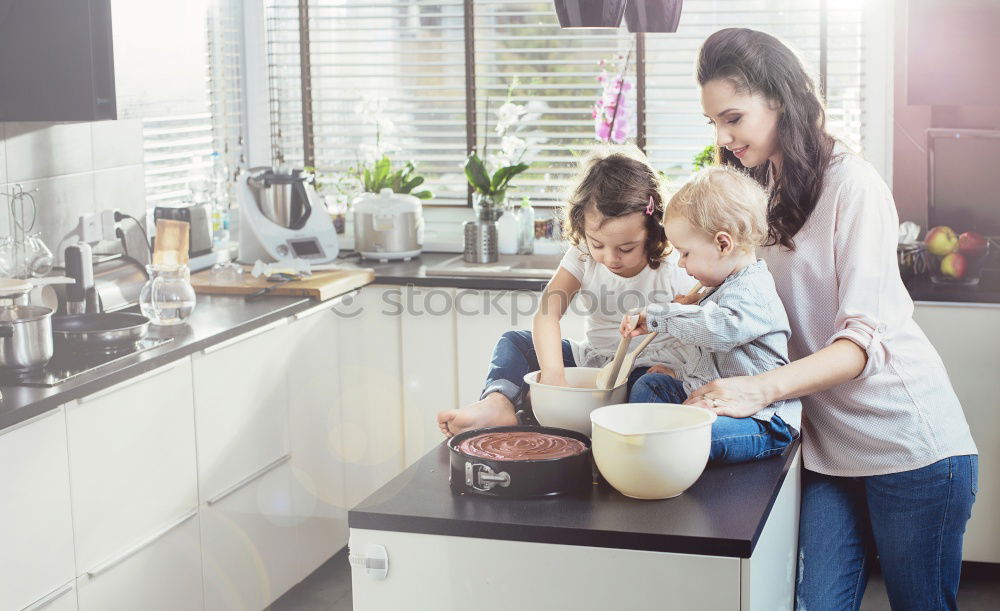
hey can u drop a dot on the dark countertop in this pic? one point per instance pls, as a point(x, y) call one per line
point(986, 291)
point(215, 319)
point(414, 272)
point(723, 514)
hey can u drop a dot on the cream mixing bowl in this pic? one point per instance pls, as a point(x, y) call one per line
point(569, 407)
point(651, 450)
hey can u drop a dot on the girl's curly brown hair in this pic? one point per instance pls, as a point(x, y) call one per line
point(618, 181)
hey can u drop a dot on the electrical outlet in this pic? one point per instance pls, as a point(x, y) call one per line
point(108, 224)
point(90, 228)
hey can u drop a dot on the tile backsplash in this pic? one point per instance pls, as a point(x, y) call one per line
point(76, 168)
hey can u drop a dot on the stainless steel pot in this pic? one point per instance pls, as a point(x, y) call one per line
point(25, 337)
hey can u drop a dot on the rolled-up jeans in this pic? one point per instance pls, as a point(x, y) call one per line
point(734, 440)
point(514, 357)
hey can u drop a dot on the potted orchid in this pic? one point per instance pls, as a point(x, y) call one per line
point(490, 178)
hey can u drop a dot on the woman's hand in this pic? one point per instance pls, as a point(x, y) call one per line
point(632, 328)
point(737, 397)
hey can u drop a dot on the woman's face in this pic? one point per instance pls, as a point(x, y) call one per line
point(746, 124)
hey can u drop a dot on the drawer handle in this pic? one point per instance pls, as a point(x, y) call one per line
point(103, 568)
point(243, 337)
point(326, 306)
point(246, 480)
point(50, 598)
point(130, 382)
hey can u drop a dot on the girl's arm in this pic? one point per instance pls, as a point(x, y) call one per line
point(545, 330)
point(744, 396)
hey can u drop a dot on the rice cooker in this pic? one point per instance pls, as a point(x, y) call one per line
point(388, 225)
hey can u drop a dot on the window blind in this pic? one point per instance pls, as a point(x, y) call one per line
point(178, 139)
point(406, 60)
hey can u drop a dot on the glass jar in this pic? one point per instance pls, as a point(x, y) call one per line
point(167, 298)
point(488, 207)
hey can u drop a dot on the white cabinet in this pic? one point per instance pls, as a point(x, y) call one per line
point(36, 530)
point(62, 599)
point(371, 392)
point(162, 573)
point(481, 318)
point(319, 505)
point(248, 540)
point(966, 337)
point(241, 406)
point(133, 483)
point(427, 337)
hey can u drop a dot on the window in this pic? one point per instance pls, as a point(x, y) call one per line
point(178, 71)
point(435, 73)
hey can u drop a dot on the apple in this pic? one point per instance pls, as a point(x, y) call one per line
point(971, 244)
point(953, 265)
point(941, 241)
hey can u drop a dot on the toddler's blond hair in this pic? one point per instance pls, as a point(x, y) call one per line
point(721, 198)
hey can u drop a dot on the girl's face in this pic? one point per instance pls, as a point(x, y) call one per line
point(700, 254)
point(746, 124)
point(619, 243)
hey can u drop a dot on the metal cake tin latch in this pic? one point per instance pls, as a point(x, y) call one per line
point(481, 477)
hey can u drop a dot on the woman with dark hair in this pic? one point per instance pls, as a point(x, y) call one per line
point(890, 465)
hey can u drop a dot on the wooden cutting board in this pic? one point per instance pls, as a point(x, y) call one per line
point(320, 286)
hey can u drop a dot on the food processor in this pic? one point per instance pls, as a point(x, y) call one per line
point(282, 218)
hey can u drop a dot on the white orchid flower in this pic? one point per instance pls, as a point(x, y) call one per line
point(507, 116)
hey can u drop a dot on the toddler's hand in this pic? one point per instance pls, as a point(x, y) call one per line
point(689, 299)
point(633, 325)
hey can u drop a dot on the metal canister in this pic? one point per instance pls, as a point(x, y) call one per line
point(480, 242)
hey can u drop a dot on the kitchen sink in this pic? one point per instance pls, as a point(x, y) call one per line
point(541, 267)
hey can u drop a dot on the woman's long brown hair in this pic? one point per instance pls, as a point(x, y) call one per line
point(755, 62)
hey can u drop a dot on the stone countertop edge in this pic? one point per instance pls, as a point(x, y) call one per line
point(420, 501)
point(216, 318)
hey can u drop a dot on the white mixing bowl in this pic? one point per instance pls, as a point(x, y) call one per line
point(570, 407)
point(651, 450)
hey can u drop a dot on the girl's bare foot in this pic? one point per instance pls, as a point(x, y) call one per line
point(492, 410)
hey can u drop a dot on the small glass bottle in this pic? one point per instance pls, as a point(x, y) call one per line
point(526, 228)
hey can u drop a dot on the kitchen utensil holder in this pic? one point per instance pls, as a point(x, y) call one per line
point(480, 242)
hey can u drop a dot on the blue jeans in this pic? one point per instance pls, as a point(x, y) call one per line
point(514, 357)
point(913, 521)
point(734, 440)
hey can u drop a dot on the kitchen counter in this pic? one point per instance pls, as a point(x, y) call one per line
point(413, 272)
point(215, 319)
point(723, 514)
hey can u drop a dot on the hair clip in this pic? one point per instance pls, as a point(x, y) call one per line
point(651, 206)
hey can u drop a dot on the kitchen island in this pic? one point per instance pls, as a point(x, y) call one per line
point(726, 543)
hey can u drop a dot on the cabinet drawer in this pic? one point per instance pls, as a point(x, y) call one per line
point(36, 529)
point(241, 408)
point(60, 599)
point(133, 457)
point(248, 543)
point(162, 573)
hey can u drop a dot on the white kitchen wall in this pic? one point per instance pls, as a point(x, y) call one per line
point(77, 168)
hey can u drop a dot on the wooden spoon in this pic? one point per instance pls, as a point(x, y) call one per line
point(609, 373)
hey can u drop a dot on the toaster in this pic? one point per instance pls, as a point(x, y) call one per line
point(198, 216)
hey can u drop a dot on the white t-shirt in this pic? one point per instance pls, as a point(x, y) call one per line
point(606, 297)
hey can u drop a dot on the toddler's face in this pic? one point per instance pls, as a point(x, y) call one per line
point(619, 243)
point(745, 124)
point(700, 255)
